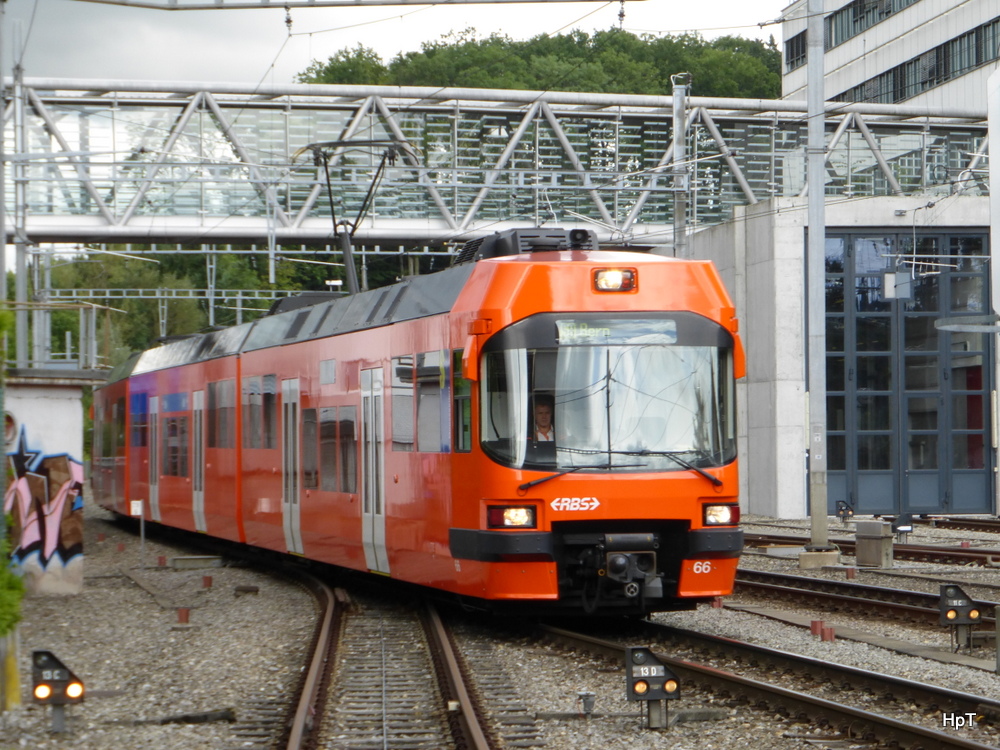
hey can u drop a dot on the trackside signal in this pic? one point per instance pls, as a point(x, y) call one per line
point(52, 681)
point(957, 607)
point(960, 613)
point(54, 684)
point(649, 679)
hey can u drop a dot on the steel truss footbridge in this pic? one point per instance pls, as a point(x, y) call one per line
point(412, 170)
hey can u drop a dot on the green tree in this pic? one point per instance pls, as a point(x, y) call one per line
point(361, 65)
point(611, 61)
point(121, 334)
point(11, 591)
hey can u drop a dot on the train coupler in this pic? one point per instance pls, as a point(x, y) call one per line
point(630, 559)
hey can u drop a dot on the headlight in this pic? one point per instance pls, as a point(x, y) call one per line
point(510, 516)
point(722, 515)
point(615, 279)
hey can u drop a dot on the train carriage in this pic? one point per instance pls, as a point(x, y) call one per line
point(393, 431)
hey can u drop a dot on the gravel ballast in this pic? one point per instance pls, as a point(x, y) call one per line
point(122, 636)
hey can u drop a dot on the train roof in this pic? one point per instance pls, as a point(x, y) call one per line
point(414, 297)
point(313, 316)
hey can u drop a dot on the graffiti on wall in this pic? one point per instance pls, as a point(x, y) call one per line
point(45, 498)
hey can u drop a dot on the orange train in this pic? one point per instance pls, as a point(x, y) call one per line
point(394, 431)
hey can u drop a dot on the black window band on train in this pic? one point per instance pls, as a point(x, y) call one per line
point(494, 546)
point(497, 546)
point(715, 542)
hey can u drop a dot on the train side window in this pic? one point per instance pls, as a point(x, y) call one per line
point(310, 450)
point(347, 437)
point(175, 446)
point(432, 402)
point(221, 397)
point(119, 426)
point(251, 412)
point(106, 445)
point(327, 371)
point(140, 419)
point(328, 449)
point(402, 386)
point(269, 421)
point(462, 405)
point(97, 448)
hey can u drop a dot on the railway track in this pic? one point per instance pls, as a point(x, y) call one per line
point(915, 552)
point(846, 595)
point(721, 664)
point(375, 675)
point(986, 525)
point(383, 675)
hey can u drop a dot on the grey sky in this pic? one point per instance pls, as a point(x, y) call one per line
point(76, 39)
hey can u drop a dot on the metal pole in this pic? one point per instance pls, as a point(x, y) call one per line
point(3, 173)
point(21, 248)
point(3, 285)
point(816, 277)
point(348, 253)
point(680, 83)
point(210, 261)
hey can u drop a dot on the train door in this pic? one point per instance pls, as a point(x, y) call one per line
point(372, 472)
point(154, 458)
point(198, 463)
point(290, 505)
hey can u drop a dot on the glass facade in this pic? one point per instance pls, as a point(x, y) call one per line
point(617, 156)
point(907, 404)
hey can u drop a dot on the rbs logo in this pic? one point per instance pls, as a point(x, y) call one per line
point(575, 503)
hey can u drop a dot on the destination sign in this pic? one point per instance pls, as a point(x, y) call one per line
point(616, 332)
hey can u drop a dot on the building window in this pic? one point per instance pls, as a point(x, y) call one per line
point(795, 52)
point(857, 17)
point(934, 67)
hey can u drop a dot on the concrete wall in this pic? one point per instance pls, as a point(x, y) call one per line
point(44, 447)
point(760, 256)
point(993, 103)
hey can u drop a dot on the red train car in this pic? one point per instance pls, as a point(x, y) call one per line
point(543, 426)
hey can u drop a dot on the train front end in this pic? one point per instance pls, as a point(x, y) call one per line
point(627, 503)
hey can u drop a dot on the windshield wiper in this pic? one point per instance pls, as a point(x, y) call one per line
point(533, 482)
point(675, 455)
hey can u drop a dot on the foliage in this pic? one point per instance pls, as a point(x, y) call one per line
point(358, 66)
point(11, 590)
point(612, 61)
point(133, 322)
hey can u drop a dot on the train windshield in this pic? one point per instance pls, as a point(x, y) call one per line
point(609, 392)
